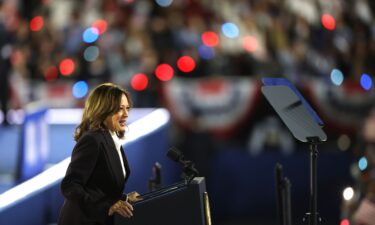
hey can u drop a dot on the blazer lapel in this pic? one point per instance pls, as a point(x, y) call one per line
point(126, 164)
point(114, 159)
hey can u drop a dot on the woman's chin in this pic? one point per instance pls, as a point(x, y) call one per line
point(122, 128)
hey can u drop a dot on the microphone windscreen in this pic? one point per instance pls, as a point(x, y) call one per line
point(174, 154)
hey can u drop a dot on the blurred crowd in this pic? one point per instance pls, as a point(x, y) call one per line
point(290, 40)
point(281, 38)
point(359, 207)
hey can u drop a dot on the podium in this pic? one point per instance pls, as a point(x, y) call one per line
point(182, 203)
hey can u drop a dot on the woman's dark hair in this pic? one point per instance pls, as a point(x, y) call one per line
point(103, 101)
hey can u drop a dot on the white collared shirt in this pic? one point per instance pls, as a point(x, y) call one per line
point(117, 142)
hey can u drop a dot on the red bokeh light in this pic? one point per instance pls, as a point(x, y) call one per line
point(66, 67)
point(210, 39)
point(186, 64)
point(139, 82)
point(101, 25)
point(344, 222)
point(36, 23)
point(164, 72)
point(51, 73)
point(328, 22)
point(250, 43)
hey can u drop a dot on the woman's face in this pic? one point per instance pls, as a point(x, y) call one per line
point(117, 121)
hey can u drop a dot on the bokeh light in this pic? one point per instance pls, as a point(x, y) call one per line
point(362, 163)
point(36, 23)
point(337, 77)
point(139, 82)
point(80, 89)
point(344, 222)
point(91, 53)
point(164, 72)
point(250, 43)
point(343, 142)
point(210, 39)
point(186, 64)
point(101, 25)
point(328, 22)
point(366, 82)
point(230, 30)
point(66, 67)
point(90, 35)
point(164, 3)
point(51, 73)
point(348, 193)
point(6, 51)
point(206, 52)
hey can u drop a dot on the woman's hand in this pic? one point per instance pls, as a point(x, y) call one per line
point(133, 197)
point(123, 208)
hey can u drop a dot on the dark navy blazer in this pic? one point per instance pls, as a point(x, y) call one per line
point(94, 180)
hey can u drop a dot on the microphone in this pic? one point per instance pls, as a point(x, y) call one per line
point(175, 154)
point(188, 167)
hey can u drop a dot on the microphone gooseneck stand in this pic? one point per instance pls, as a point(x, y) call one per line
point(189, 170)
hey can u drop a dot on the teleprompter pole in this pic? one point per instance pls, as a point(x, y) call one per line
point(313, 215)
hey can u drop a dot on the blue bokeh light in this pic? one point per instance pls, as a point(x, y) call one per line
point(230, 30)
point(337, 77)
point(80, 89)
point(206, 52)
point(164, 3)
point(362, 163)
point(366, 82)
point(90, 35)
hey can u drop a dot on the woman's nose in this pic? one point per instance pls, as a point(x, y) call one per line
point(125, 112)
